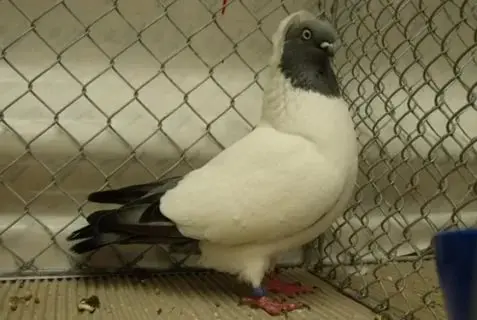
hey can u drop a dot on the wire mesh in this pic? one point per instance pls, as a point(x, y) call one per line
point(87, 106)
point(102, 94)
point(407, 69)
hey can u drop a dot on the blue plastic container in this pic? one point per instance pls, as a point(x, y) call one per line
point(456, 261)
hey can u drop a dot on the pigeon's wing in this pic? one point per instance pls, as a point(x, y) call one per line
point(266, 186)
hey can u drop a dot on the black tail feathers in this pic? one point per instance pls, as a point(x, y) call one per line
point(134, 192)
point(98, 242)
point(83, 233)
point(138, 220)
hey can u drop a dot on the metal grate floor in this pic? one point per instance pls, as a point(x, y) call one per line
point(405, 286)
point(204, 296)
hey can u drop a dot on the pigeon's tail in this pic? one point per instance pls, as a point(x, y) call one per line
point(134, 192)
point(138, 221)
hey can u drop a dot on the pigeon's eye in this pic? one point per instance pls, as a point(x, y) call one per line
point(306, 34)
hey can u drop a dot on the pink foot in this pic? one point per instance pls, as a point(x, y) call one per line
point(275, 285)
point(271, 306)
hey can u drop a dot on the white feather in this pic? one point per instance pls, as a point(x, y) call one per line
point(278, 188)
point(268, 185)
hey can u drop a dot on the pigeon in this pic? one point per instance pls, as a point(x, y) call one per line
point(276, 189)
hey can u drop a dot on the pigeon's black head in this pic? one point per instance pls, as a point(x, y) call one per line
point(308, 46)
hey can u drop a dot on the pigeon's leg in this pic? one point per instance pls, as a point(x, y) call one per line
point(276, 285)
point(272, 306)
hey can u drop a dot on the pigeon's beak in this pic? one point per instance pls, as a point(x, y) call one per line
point(329, 48)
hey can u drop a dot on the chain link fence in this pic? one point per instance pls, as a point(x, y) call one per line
point(408, 71)
point(99, 94)
point(107, 93)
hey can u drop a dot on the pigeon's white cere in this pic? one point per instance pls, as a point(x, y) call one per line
point(278, 188)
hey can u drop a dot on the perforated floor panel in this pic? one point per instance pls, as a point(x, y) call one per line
point(191, 296)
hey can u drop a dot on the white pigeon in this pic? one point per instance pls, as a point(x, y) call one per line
point(276, 189)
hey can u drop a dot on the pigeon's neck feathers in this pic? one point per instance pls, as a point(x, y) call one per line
point(323, 120)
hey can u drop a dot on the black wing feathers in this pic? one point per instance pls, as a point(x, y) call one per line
point(138, 220)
